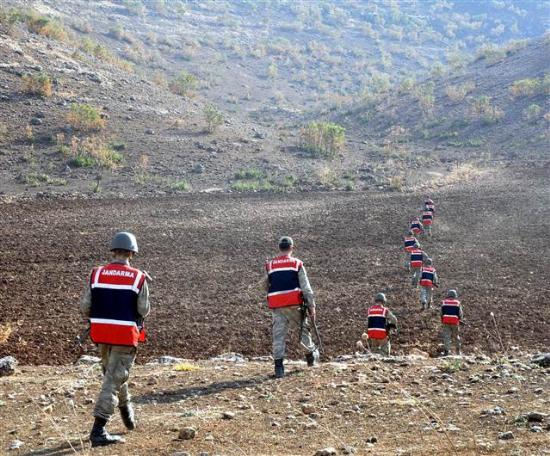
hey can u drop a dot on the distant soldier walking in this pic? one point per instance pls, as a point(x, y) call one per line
point(380, 320)
point(429, 205)
point(116, 300)
point(427, 221)
point(416, 261)
point(410, 243)
point(428, 280)
point(451, 318)
point(416, 226)
point(288, 289)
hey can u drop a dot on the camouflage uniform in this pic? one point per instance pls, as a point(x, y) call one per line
point(285, 318)
point(116, 360)
point(416, 272)
point(426, 293)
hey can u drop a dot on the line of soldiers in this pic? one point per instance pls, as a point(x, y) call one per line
point(116, 301)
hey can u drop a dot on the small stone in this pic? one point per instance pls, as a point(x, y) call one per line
point(372, 439)
point(535, 417)
point(86, 359)
point(7, 365)
point(543, 360)
point(36, 121)
point(228, 415)
point(181, 453)
point(347, 450)
point(329, 451)
point(187, 433)
point(494, 411)
point(15, 445)
point(149, 131)
point(509, 435)
point(308, 409)
point(198, 168)
point(535, 428)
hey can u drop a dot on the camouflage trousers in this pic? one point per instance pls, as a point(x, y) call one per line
point(116, 362)
point(285, 318)
point(428, 230)
point(451, 336)
point(416, 272)
point(426, 296)
point(380, 346)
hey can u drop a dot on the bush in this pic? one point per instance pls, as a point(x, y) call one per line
point(181, 185)
point(323, 139)
point(459, 92)
point(484, 110)
point(37, 179)
point(91, 152)
point(525, 87)
point(85, 117)
point(184, 84)
point(37, 84)
point(43, 25)
point(249, 173)
point(532, 113)
point(214, 117)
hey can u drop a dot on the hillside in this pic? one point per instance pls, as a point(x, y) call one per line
point(207, 96)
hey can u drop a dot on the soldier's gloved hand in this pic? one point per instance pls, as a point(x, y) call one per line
point(311, 312)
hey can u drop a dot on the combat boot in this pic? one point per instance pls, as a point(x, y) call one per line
point(279, 368)
point(127, 415)
point(310, 359)
point(100, 437)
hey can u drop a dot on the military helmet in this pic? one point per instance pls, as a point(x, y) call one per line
point(380, 297)
point(124, 241)
point(429, 261)
point(285, 242)
point(452, 293)
point(410, 233)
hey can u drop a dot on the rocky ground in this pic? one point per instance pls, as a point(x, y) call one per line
point(408, 405)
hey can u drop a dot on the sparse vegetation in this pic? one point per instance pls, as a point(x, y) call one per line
point(323, 139)
point(46, 26)
point(184, 84)
point(526, 87)
point(532, 113)
point(181, 185)
point(37, 84)
point(91, 152)
point(483, 109)
point(85, 117)
point(38, 179)
point(458, 92)
point(213, 116)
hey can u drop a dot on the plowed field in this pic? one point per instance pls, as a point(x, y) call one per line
point(206, 255)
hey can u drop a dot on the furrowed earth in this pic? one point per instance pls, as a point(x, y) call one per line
point(206, 252)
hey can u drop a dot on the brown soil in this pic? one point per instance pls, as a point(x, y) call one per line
point(206, 255)
point(412, 408)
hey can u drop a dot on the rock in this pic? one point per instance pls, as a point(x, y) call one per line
point(16, 444)
point(493, 411)
point(228, 415)
point(535, 428)
point(418, 354)
point(543, 360)
point(308, 409)
point(187, 433)
point(36, 121)
point(536, 417)
point(372, 439)
point(230, 358)
point(7, 365)
point(509, 435)
point(149, 131)
point(169, 360)
point(347, 450)
point(329, 451)
point(86, 359)
point(198, 168)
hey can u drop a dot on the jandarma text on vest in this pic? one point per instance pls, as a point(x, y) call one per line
point(116, 272)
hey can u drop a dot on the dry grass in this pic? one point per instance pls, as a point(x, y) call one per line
point(461, 173)
point(6, 330)
point(38, 84)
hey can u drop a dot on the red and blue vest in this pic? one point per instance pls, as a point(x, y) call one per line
point(427, 218)
point(416, 227)
point(417, 258)
point(450, 312)
point(376, 322)
point(113, 315)
point(429, 204)
point(284, 285)
point(410, 243)
point(427, 277)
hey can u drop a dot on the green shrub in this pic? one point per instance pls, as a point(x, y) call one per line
point(249, 173)
point(323, 139)
point(37, 179)
point(459, 92)
point(83, 161)
point(180, 185)
point(91, 152)
point(46, 26)
point(525, 87)
point(532, 113)
point(184, 84)
point(37, 84)
point(214, 117)
point(483, 110)
point(85, 117)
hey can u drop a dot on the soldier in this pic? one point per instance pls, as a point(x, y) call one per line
point(416, 226)
point(288, 289)
point(427, 221)
point(116, 300)
point(429, 204)
point(417, 258)
point(451, 318)
point(380, 320)
point(411, 243)
point(428, 280)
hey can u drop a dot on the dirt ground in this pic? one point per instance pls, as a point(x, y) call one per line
point(407, 407)
point(206, 254)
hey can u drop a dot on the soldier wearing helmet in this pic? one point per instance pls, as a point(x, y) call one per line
point(288, 289)
point(451, 318)
point(380, 320)
point(115, 301)
point(428, 280)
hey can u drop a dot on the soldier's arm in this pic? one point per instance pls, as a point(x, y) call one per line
point(143, 306)
point(86, 301)
point(306, 288)
point(436, 278)
point(392, 319)
point(460, 313)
